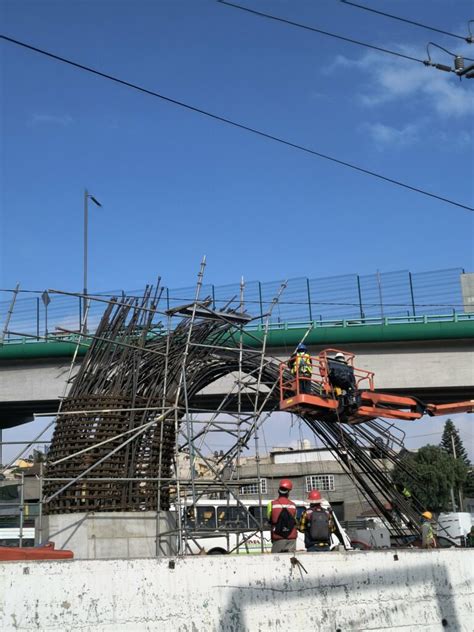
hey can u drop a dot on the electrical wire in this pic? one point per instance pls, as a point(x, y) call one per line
point(396, 17)
point(236, 124)
point(445, 50)
point(320, 31)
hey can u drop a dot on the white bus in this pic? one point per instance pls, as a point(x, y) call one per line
point(218, 527)
point(10, 536)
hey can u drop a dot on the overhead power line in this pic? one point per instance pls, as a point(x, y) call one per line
point(458, 69)
point(445, 50)
point(320, 31)
point(235, 124)
point(469, 38)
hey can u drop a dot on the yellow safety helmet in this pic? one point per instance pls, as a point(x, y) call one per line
point(428, 515)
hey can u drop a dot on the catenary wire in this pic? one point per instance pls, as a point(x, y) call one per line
point(320, 31)
point(236, 124)
point(396, 17)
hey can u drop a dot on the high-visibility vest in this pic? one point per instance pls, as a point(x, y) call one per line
point(301, 364)
point(274, 509)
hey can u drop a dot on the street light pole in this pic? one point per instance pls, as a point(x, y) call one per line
point(87, 195)
point(86, 227)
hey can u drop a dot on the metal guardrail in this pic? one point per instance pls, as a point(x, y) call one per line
point(387, 321)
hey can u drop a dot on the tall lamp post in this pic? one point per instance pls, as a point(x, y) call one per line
point(87, 197)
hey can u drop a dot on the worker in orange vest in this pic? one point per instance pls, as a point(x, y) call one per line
point(281, 514)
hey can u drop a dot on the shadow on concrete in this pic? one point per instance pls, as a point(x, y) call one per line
point(382, 609)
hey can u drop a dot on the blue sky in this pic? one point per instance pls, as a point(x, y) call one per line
point(175, 186)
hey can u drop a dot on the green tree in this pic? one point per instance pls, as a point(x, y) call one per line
point(468, 488)
point(435, 472)
point(450, 437)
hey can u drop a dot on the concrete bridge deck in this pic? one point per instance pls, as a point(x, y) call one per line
point(429, 357)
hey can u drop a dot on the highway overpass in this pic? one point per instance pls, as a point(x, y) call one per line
point(430, 357)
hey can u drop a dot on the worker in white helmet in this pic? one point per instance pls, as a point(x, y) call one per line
point(342, 379)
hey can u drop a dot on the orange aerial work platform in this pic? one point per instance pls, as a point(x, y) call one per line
point(320, 393)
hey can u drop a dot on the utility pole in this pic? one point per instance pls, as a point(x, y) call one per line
point(459, 488)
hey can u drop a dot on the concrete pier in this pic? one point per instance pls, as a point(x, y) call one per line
point(108, 535)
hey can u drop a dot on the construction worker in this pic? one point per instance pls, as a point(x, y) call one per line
point(404, 491)
point(428, 540)
point(317, 524)
point(281, 514)
point(342, 378)
point(300, 365)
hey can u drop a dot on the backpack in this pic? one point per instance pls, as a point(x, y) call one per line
point(319, 526)
point(285, 524)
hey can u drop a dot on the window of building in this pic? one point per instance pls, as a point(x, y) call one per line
point(252, 488)
point(322, 482)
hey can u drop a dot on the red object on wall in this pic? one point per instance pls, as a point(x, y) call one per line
point(43, 552)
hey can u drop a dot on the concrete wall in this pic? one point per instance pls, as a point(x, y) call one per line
point(409, 590)
point(108, 535)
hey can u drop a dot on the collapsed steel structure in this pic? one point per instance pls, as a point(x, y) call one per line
point(144, 394)
point(136, 389)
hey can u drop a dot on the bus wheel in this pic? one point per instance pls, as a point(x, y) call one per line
point(217, 552)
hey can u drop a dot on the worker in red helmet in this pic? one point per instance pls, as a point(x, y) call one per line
point(281, 514)
point(317, 524)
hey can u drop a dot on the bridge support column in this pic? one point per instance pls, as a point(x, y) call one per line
point(112, 535)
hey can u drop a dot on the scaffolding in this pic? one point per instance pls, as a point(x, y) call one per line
point(156, 385)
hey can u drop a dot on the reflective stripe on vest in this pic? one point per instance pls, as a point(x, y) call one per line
point(277, 505)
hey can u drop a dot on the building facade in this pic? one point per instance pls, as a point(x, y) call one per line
point(308, 468)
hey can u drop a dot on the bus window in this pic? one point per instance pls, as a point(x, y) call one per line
point(257, 513)
point(9, 542)
point(206, 517)
point(189, 518)
point(232, 517)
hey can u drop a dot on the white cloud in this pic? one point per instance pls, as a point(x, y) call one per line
point(384, 135)
point(394, 80)
point(51, 119)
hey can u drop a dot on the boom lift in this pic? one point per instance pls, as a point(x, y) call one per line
point(340, 392)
